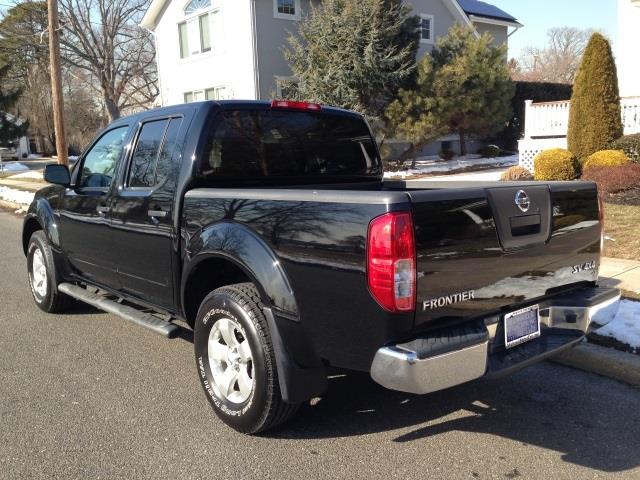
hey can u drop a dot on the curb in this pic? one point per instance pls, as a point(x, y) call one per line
point(604, 361)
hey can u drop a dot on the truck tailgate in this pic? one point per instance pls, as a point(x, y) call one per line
point(485, 249)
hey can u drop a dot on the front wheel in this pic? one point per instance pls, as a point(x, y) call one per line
point(42, 275)
point(236, 360)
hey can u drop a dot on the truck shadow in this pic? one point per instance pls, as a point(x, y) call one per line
point(592, 421)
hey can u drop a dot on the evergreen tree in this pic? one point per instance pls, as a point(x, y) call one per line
point(594, 116)
point(462, 87)
point(354, 55)
point(9, 129)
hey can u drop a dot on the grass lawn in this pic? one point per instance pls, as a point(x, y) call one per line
point(622, 223)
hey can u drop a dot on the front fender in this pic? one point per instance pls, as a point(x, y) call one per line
point(242, 246)
point(41, 211)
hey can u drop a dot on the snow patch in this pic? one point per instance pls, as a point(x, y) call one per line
point(16, 196)
point(436, 165)
point(625, 325)
point(6, 167)
point(29, 174)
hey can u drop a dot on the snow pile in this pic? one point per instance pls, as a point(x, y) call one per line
point(6, 167)
point(16, 196)
point(436, 165)
point(625, 325)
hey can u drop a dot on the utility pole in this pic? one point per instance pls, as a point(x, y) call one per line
point(57, 101)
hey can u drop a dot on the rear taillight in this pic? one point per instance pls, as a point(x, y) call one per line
point(391, 261)
point(291, 105)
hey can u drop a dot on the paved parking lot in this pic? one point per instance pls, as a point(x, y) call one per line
point(87, 395)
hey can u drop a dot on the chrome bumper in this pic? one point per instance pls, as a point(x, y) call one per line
point(398, 367)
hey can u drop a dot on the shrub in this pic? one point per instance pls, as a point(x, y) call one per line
point(555, 164)
point(614, 179)
point(606, 158)
point(594, 116)
point(446, 154)
point(516, 173)
point(489, 151)
point(629, 144)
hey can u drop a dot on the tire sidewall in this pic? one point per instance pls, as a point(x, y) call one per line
point(245, 415)
point(36, 243)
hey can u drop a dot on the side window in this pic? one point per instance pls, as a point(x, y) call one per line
point(100, 162)
point(166, 153)
point(143, 161)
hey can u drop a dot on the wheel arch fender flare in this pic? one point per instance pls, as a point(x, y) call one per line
point(40, 216)
point(244, 248)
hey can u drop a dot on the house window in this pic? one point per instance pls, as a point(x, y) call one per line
point(195, 5)
point(426, 28)
point(201, 32)
point(289, 9)
point(215, 93)
point(286, 87)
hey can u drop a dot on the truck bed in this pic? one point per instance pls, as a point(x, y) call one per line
point(463, 239)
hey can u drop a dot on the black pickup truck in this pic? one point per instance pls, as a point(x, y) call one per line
point(268, 229)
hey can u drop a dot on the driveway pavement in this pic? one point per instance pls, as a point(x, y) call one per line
point(87, 395)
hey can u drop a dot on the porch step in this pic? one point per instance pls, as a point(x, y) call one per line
point(130, 314)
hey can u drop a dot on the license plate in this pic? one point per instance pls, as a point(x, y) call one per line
point(521, 326)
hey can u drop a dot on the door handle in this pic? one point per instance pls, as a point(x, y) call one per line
point(102, 210)
point(157, 213)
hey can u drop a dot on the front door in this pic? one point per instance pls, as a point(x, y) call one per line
point(142, 213)
point(84, 210)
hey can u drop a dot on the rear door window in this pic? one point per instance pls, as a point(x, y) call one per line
point(143, 161)
point(272, 143)
point(163, 167)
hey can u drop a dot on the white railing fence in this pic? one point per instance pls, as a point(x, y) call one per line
point(546, 119)
point(550, 119)
point(545, 126)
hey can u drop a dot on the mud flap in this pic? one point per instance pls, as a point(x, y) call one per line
point(297, 384)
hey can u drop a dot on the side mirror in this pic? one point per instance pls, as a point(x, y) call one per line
point(58, 174)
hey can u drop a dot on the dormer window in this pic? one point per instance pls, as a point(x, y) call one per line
point(287, 9)
point(201, 31)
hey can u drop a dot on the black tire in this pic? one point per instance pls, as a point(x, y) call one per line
point(50, 299)
point(264, 408)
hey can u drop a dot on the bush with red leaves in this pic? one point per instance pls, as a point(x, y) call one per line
point(614, 179)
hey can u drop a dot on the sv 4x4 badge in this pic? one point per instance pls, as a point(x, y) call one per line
point(584, 267)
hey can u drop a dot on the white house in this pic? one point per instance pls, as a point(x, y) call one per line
point(545, 123)
point(216, 49)
point(626, 47)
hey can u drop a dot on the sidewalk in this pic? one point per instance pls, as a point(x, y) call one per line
point(623, 274)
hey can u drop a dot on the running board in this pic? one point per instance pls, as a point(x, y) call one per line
point(143, 319)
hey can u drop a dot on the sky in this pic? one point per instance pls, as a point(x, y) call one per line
point(538, 16)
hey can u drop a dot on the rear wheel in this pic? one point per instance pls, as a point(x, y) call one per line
point(42, 275)
point(236, 360)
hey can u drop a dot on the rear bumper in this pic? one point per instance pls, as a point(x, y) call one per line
point(457, 355)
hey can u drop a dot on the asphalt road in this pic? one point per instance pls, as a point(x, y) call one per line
point(87, 395)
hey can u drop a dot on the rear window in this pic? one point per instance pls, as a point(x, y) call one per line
point(271, 143)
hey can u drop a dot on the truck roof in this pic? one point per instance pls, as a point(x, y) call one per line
point(224, 104)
